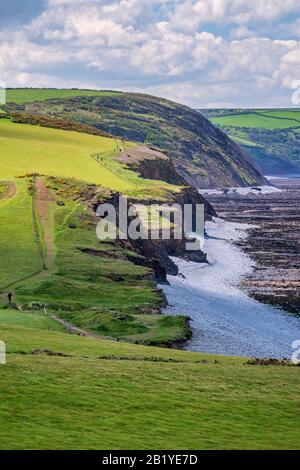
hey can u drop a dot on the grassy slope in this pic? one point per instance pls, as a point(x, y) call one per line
point(240, 139)
point(27, 149)
point(29, 319)
point(36, 94)
point(270, 136)
point(20, 256)
point(155, 399)
point(54, 152)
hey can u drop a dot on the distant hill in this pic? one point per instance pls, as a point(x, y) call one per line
point(270, 136)
point(202, 154)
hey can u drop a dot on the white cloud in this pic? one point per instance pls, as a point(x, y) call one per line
point(159, 46)
point(190, 14)
point(289, 29)
point(242, 32)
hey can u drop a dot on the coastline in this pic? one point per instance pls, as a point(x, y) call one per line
point(274, 239)
point(224, 318)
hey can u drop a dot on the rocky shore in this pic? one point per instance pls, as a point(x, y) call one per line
point(273, 242)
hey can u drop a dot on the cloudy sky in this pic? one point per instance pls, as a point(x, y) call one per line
point(205, 53)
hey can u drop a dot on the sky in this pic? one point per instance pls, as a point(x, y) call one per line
point(203, 53)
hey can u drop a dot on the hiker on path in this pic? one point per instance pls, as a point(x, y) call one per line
point(9, 297)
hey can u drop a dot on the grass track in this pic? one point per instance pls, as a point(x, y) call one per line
point(20, 256)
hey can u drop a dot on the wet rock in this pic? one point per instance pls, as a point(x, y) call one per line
point(273, 243)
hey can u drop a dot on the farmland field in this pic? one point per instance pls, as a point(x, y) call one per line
point(259, 120)
point(270, 136)
point(40, 94)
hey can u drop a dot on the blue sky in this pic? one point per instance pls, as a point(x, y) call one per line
point(204, 53)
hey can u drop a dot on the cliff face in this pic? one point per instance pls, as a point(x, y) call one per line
point(201, 153)
point(151, 164)
point(156, 254)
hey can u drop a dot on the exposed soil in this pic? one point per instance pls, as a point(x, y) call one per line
point(10, 191)
point(151, 164)
point(79, 331)
point(43, 199)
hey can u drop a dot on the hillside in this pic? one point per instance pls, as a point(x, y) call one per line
point(270, 136)
point(201, 153)
point(55, 152)
point(61, 391)
point(51, 182)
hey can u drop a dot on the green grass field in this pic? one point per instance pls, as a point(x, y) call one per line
point(25, 95)
point(29, 319)
point(261, 119)
point(20, 255)
point(290, 114)
point(27, 149)
point(111, 395)
point(270, 136)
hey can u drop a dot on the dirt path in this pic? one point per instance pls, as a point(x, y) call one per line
point(78, 331)
point(10, 191)
point(43, 229)
point(43, 200)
